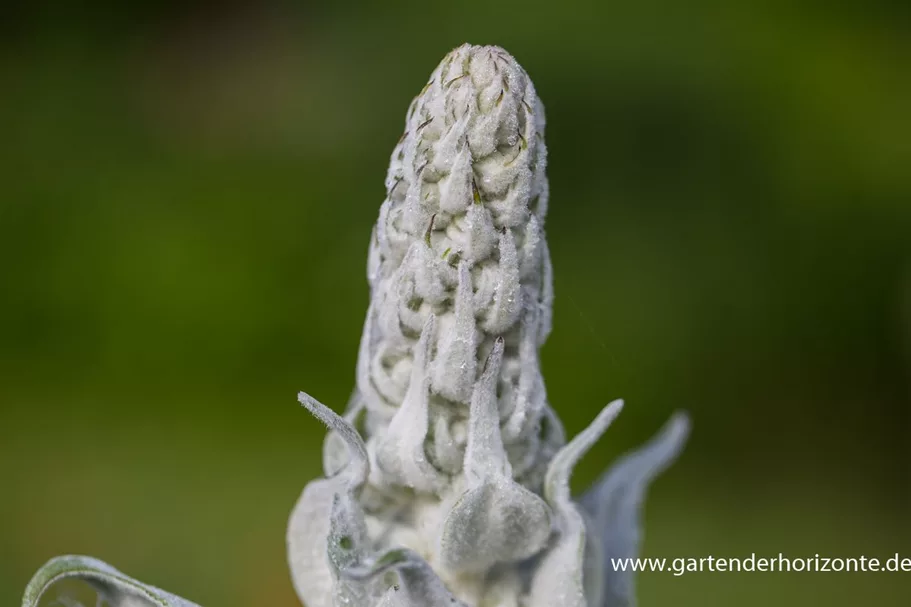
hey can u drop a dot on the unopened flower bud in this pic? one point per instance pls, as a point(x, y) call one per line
point(466, 500)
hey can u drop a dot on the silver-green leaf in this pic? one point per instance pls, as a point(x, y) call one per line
point(114, 587)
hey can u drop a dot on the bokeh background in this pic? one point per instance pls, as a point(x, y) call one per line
point(186, 195)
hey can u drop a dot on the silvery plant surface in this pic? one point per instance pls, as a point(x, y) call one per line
point(447, 478)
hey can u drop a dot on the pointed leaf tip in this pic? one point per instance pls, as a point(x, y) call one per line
point(358, 464)
point(614, 507)
point(556, 482)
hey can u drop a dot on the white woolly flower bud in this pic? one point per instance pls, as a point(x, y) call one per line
point(458, 492)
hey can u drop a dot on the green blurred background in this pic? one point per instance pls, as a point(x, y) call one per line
point(186, 198)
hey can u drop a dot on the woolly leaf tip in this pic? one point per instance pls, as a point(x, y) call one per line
point(357, 464)
point(614, 505)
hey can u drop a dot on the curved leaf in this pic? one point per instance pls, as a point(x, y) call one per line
point(117, 589)
point(614, 506)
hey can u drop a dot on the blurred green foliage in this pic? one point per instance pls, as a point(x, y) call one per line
point(185, 204)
